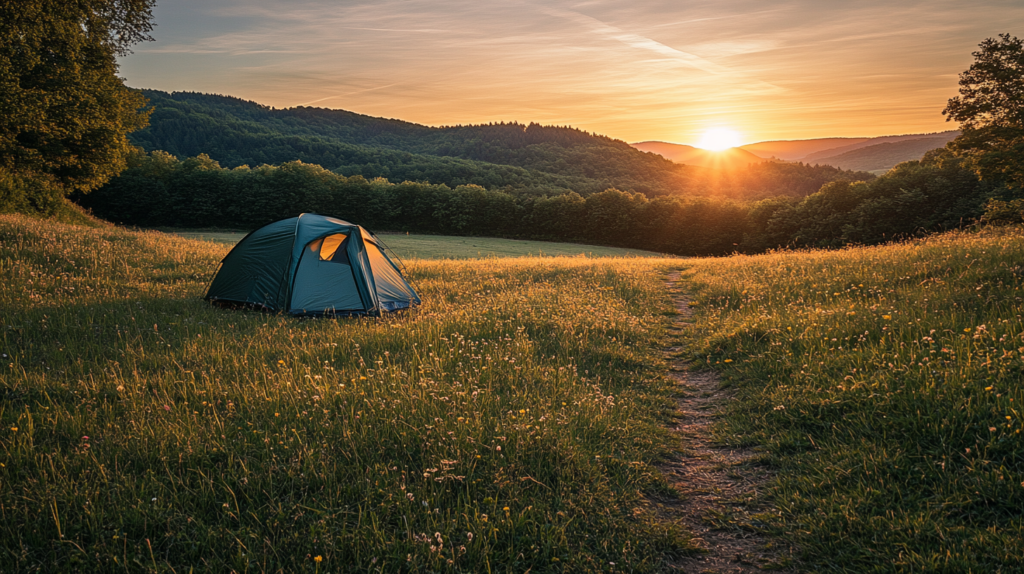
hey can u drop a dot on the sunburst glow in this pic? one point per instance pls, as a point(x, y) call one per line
point(718, 139)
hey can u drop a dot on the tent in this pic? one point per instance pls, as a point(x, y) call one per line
point(312, 265)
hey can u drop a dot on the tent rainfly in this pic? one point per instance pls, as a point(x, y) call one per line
point(312, 265)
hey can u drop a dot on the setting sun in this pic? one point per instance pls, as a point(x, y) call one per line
point(718, 139)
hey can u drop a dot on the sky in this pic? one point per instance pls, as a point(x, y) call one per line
point(635, 70)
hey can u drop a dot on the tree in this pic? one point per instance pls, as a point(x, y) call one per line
point(64, 113)
point(990, 109)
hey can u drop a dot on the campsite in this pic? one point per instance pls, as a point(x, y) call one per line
point(517, 418)
point(385, 288)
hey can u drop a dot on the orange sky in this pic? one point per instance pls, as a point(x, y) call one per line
point(660, 70)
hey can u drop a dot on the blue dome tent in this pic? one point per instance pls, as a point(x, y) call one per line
point(312, 265)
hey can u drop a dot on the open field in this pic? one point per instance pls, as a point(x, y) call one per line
point(510, 424)
point(447, 247)
point(886, 384)
point(514, 421)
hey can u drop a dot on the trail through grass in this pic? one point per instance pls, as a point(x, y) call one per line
point(510, 424)
point(886, 384)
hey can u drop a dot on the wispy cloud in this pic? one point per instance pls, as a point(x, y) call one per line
point(661, 69)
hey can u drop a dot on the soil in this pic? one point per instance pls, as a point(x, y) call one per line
point(719, 486)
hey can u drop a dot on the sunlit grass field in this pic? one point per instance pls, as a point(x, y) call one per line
point(508, 425)
point(886, 384)
point(449, 247)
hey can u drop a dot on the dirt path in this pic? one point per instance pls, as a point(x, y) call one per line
point(719, 485)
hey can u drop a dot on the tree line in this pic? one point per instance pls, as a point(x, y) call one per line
point(935, 194)
point(543, 160)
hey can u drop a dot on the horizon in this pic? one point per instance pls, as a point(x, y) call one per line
point(526, 122)
point(662, 72)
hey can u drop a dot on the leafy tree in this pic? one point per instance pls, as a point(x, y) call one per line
point(998, 212)
point(64, 113)
point(990, 109)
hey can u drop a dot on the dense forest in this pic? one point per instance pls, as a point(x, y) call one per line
point(542, 160)
point(934, 194)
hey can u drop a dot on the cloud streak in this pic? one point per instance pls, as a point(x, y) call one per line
point(662, 69)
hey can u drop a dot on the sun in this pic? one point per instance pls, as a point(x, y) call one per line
point(718, 139)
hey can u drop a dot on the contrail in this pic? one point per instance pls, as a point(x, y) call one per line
point(347, 94)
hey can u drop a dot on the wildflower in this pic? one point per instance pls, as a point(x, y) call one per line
point(469, 536)
point(318, 559)
point(967, 330)
point(505, 509)
point(410, 496)
point(15, 429)
point(728, 360)
point(887, 317)
point(483, 517)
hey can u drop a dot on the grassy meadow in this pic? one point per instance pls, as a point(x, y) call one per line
point(886, 385)
point(514, 421)
point(449, 247)
point(510, 424)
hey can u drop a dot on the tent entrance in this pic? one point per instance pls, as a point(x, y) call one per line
point(324, 280)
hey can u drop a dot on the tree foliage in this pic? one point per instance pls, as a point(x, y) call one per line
point(917, 197)
point(542, 160)
point(64, 113)
point(990, 109)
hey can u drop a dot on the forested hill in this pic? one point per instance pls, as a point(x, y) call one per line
point(513, 156)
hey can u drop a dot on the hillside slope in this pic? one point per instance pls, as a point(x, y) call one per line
point(549, 159)
point(729, 159)
point(939, 138)
point(793, 150)
point(838, 152)
point(883, 156)
point(525, 158)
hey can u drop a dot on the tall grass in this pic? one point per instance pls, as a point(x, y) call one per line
point(887, 385)
point(508, 425)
